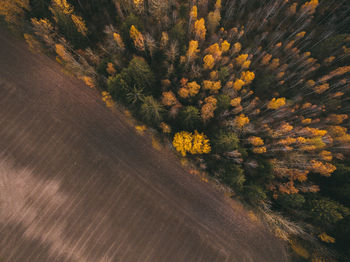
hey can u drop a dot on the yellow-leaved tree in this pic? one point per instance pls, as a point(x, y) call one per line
point(199, 28)
point(197, 143)
point(137, 37)
point(192, 50)
point(276, 103)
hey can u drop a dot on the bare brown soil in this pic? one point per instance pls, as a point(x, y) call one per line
point(77, 183)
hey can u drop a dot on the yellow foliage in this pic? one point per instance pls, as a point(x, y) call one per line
point(293, 8)
point(337, 72)
point(237, 47)
point(164, 39)
point(343, 139)
point(246, 64)
point(229, 84)
point(107, 98)
point(325, 169)
point(88, 81)
point(310, 83)
point(80, 24)
point(321, 88)
point(218, 4)
point(207, 111)
point(247, 77)
point(289, 44)
point(288, 188)
point(64, 6)
point(306, 121)
point(214, 75)
point(238, 84)
point(225, 46)
point(276, 103)
point(287, 141)
point(138, 3)
point(301, 140)
point(200, 30)
point(241, 59)
point(137, 37)
point(209, 62)
point(337, 131)
point(165, 128)
point(192, 49)
point(183, 92)
point(236, 101)
point(266, 59)
point(337, 119)
point(306, 54)
point(329, 60)
point(110, 69)
point(140, 129)
point(214, 50)
point(280, 75)
point(326, 155)
point(315, 131)
point(118, 39)
point(193, 88)
point(194, 12)
point(61, 51)
point(185, 142)
point(169, 99)
point(274, 64)
point(301, 34)
point(200, 144)
point(256, 141)
point(213, 86)
point(259, 150)
point(240, 121)
point(310, 6)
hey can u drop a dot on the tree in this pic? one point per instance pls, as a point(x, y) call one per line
point(137, 76)
point(80, 24)
point(247, 77)
point(223, 102)
point(70, 25)
point(327, 211)
point(197, 143)
point(140, 74)
point(288, 201)
point(276, 103)
point(208, 108)
point(45, 30)
point(254, 193)
point(199, 28)
point(213, 20)
point(225, 141)
point(240, 121)
point(189, 118)
point(151, 111)
point(255, 141)
point(169, 99)
point(225, 46)
point(209, 62)
point(137, 37)
point(192, 50)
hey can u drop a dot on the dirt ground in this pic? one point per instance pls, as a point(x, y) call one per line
point(77, 183)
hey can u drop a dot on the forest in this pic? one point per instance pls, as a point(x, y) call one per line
point(255, 93)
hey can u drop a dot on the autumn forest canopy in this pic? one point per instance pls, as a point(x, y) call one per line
point(255, 93)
